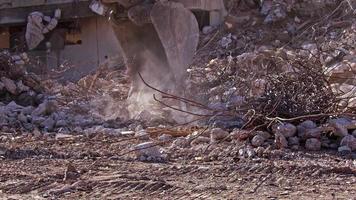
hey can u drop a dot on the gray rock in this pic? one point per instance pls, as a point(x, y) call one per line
point(28, 126)
point(46, 108)
point(22, 118)
point(304, 126)
point(311, 133)
point(13, 107)
point(37, 120)
point(293, 141)
point(258, 140)
point(21, 87)
point(281, 141)
point(27, 110)
point(340, 127)
point(61, 123)
point(344, 150)
point(288, 130)
point(149, 151)
point(313, 144)
point(9, 85)
point(48, 124)
point(349, 141)
point(354, 133)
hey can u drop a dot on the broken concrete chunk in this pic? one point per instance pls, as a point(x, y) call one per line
point(48, 124)
point(313, 144)
point(21, 87)
point(9, 85)
point(349, 141)
point(281, 141)
point(292, 141)
point(340, 128)
point(288, 130)
point(46, 108)
point(344, 150)
point(149, 151)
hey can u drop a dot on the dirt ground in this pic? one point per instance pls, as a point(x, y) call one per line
point(98, 167)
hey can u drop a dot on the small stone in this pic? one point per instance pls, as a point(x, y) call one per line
point(48, 124)
point(340, 128)
point(28, 126)
point(288, 130)
point(27, 110)
point(293, 141)
point(149, 151)
point(21, 87)
point(61, 123)
point(281, 141)
point(304, 126)
point(344, 150)
point(308, 124)
point(349, 141)
point(45, 108)
point(37, 120)
point(9, 85)
point(218, 134)
point(258, 140)
point(22, 118)
point(311, 133)
point(313, 144)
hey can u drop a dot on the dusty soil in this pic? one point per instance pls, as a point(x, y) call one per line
point(98, 167)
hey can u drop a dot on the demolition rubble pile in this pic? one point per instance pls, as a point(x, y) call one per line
point(292, 83)
point(30, 104)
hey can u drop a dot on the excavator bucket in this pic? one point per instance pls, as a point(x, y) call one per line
point(178, 31)
point(158, 38)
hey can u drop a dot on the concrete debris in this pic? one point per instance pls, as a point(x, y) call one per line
point(313, 144)
point(149, 151)
point(281, 141)
point(38, 25)
point(287, 130)
point(344, 150)
point(349, 141)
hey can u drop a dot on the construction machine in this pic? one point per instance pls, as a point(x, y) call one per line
point(157, 38)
